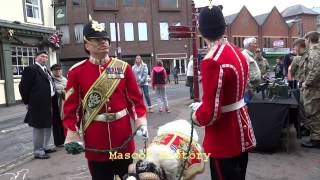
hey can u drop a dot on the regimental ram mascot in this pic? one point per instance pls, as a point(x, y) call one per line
point(165, 156)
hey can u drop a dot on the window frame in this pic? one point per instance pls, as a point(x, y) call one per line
point(125, 34)
point(69, 39)
point(116, 8)
point(80, 3)
point(160, 30)
point(80, 41)
point(139, 31)
point(111, 33)
point(125, 5)
point(32, 19)
point(169, 9)
point(139, 5)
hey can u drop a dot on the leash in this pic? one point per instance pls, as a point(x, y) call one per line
point(122, 147)
point(189, 148)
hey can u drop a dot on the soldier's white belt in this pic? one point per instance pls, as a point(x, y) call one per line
point(109, 117)
point(234, 106)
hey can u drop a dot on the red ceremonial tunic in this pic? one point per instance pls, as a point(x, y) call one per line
point(103, 135)
point(224, 80)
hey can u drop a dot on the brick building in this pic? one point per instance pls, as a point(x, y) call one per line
point(274, 31)
point(142, 27)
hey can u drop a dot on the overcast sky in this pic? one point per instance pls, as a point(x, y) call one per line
point(257, 7)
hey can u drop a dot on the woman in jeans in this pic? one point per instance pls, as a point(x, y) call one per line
point(158, 78)
point(140, 70)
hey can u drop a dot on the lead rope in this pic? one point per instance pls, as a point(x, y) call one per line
point(189, 148)
point(122, 147)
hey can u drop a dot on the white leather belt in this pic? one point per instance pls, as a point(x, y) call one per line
point(109, 117)
point(234, 106)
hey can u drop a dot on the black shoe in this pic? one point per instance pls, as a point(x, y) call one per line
point(44, 156)
point(50, 150)
point(311, 144)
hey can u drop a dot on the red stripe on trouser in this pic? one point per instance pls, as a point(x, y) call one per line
point(218, 169)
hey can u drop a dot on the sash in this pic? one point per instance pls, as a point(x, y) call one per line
point(101, 90)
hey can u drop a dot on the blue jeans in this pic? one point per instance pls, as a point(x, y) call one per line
point(145, 93)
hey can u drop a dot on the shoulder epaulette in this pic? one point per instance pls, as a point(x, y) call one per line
point(77, 64)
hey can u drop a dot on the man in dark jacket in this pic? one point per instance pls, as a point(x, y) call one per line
point(37, 90)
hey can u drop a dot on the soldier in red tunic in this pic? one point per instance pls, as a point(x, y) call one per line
point(228, 131)
point(106, 91)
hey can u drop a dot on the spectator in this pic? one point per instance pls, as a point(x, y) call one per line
point(140, 70)
point(190, 77)
point(175, 75)
point(250, 45)
point(158, 78)
point(37, 91)
point(278, 70)
point(287, 60)
point(262, 63)
point(168, 75)
point(57, 126)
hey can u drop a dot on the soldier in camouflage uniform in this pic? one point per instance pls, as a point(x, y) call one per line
point(296, 72)
point(262, 63)
point(311, 90)
point(297, 65)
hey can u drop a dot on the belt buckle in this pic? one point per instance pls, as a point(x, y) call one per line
point(110, 116)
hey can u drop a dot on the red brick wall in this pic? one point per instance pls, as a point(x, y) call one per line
point(309, 23)
point(275, 28)
point(133, 15)
point(243, 26)
point(275, 25)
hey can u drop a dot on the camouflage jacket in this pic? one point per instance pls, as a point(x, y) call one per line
point(297, 66)
point(254, 71)
point(263, 66)
point(312, 68)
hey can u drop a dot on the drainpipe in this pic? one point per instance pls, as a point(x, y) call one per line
point(153, 58)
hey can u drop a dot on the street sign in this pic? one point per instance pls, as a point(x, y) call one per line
point(181, 29)
point(181, 35)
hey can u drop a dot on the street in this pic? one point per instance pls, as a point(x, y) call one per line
point(297, 164)
point(16, 137)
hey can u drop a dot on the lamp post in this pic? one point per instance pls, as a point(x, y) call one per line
point(116, 28)
point(195, 55)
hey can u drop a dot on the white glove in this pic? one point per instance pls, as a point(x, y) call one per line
point(143, 132)
point(195, 106)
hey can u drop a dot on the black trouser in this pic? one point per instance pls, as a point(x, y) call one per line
point(229, 168)
point(176, 80)
point(190, 82)
point(106, 170)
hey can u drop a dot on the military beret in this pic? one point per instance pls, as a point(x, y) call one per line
point(41, 52)
point(94, 29)
point(212, 24)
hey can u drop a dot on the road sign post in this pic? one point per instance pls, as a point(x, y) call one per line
point(187, 32)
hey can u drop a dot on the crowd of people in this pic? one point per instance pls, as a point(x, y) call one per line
point(104, 94)
point(300, 70)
